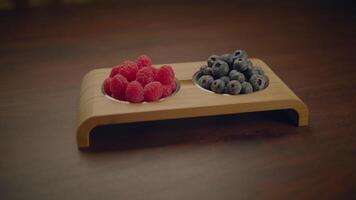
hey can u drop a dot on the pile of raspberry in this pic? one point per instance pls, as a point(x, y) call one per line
point(139, 81)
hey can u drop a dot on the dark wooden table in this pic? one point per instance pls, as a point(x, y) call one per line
point(45, 52)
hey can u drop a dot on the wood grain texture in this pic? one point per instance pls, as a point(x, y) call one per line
point(44, 54)
point(96, 109)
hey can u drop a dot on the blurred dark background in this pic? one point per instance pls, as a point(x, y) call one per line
point(70, 37)
point(75, 33)
point(28, 4)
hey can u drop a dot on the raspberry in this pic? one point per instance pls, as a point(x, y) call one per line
point(170, 69)
point(165, 75)
point(106, 85)
point(218, 86)
point(153, 91)
point(145, 75)
point(114, 71)
point(134, 92)
point(234, 87)
point(143, 61)
point(173, 86)
point(155, 71)
point(118, 86)
point(128, 69)
point(167, 90)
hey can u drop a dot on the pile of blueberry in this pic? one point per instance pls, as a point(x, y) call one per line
point(232, 74)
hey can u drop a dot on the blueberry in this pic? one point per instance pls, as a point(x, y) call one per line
point(267, 81)
point(234, 87)
point(235, 75)
point(239, 54)
point(218, 86)
point(212, 59)
point(259, 82)
point(220, 68)
point(205, 81)
point(225, 91)
point(246, 88)
point(226, 79)
point(206, 70)
point(203, 67)
point(228, 58)
point(199, 74)
point(258, 70)
point(254, 70)
point(241, 64)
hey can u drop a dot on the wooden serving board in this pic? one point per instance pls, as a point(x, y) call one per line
point(190, 101)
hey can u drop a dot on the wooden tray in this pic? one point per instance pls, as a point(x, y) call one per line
point(190, 101)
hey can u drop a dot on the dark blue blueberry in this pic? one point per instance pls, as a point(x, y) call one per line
point(234, 87)
point(205, 81)
point(203, 67)
point(267, 81)
point(239, 54)
point(212, 59)
point(206, 70)
point(259, 82)
point(241, 64)
point(235, 75)
point(228, 58)
point(246, 88)
point(226, 79)
point(258, 70)
point(218, 86)
point(220, 68)
point(254, 70)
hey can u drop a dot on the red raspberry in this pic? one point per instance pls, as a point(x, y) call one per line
point(114, 71)
point(153, 91)
point(167, 91)
point(134, 92)
point(128, 69)
point(155, 71)
point(173, 86)
point(143, 61)
point(118, 86)
point(106, 85)
point(145, 75)
point(170, 69)
point(165, 75)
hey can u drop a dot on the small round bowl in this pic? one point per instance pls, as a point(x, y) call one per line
point(144, 102)
point(195, 81)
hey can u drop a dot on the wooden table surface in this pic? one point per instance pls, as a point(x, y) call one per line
point(44, 54)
